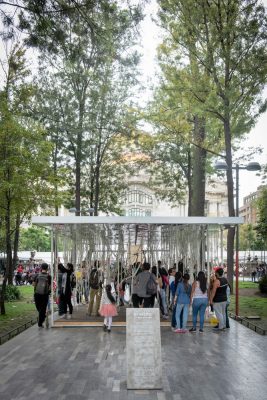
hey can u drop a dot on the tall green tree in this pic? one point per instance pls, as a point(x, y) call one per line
point(93, 73)
point(227, 38)
point(24, 152)
point(34, 238)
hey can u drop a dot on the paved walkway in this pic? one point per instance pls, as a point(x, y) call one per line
point(89, 364)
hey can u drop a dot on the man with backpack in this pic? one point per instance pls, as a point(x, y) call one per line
point(95, 290)
point(146, 286)
point(42, 289)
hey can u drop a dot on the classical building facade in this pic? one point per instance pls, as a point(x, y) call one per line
point(140, 200)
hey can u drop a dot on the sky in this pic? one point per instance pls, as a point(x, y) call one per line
point(248, 181)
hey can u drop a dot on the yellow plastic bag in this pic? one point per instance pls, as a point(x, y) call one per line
point(213, 320)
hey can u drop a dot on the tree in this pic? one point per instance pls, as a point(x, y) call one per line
point(261, 226)
point(227, 38)
point(34, 238)
point(84, 105)
point(25, 182)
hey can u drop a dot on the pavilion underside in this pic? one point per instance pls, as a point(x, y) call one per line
point(117, 243)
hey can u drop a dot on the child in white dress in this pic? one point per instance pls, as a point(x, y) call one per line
point(107, 308)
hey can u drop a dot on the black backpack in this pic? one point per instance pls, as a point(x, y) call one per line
point(42, 286)
point(151, 286)
point(93, 280)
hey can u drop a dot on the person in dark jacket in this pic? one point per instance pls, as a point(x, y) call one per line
point(218, 299)
point(141, 284)
point(42, 290)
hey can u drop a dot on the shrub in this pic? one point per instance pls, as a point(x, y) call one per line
point(263, 284)
point(12, 293)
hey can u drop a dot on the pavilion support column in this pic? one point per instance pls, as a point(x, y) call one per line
point(208, 252)
point(53, 265)
point(221, 232)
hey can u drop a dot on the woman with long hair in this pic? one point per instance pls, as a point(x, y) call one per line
point(173, 287)
point(182, 299)
point(199, 300)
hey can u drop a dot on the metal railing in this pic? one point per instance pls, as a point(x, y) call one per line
point(14, 332)
point(244, 321)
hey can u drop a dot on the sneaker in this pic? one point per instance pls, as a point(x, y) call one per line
point(109, 330)
point(201, 331)
point(165, 316)
point(218, 330)
point(192, 330)
point(178, 331)
point(105, 328)
point(184, 330)
point(173, 329)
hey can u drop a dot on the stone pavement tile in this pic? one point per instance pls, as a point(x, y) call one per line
point(237, 358)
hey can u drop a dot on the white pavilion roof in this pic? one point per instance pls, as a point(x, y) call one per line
point(118, 220)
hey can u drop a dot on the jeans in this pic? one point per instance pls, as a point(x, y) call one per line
point(179, 309)
point(174, 316)
point(199, 306)
point(220, 309)
point(164, 303)
point(227, 316)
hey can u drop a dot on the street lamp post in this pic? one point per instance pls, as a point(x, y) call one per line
point(252, 166)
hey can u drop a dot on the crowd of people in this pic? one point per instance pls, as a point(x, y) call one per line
point(25, 275)
point(170, 289)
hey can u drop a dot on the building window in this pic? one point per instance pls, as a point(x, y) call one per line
point(138, 212)
point(138, 197)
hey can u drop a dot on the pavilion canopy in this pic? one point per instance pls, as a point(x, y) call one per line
point(176, 236)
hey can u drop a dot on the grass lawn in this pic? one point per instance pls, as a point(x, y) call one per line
point(247, 285)
point(18, 312)
point(251, 302)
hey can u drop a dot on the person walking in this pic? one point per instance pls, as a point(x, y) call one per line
point(173, 286)
point(108, 308)
point(218, 299)
point(141, 286)
point(182, 299)
point(62, 277)
point(163, 290)
point(199, 300)
point(95, 290)
point(42, 290)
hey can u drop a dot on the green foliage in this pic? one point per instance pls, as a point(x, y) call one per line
point(261, 227)
point(84, 102)
point(12, 293)
point(263, 284)
point(34, 238)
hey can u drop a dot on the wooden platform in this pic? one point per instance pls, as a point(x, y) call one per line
point(81, 319)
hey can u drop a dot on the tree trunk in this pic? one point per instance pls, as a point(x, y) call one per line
point(198, 168)
point(189, 181)
point(79, 159)
point(230, 194)
point(16, 243)
point(97, 181)
point(9, 265)
point(2, 296)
